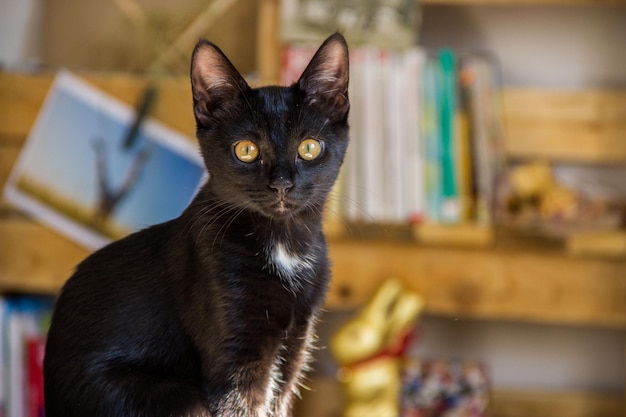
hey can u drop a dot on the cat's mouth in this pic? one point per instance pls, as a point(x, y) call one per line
point(283, 206)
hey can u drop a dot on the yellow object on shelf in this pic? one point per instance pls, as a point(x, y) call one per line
point(370, 348)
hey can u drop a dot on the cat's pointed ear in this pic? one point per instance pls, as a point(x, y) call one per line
point(325, 79)
point(215, 82)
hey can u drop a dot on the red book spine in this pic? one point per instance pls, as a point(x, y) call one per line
point(34, 373)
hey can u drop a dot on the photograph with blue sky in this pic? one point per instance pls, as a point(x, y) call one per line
point(77, 143)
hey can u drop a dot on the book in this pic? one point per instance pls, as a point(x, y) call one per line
point(294, 60)
point(35, 348)
point(426, 136)
point(24, 325)
point(403, 145)
point(464, 162)
point(479, 83)
point(354, 200)
point(432, 146)
point(413, 157)
point(372, 147)
point(393, 140)
point(447, 92)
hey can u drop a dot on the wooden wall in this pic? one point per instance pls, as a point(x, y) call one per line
point(100, 35)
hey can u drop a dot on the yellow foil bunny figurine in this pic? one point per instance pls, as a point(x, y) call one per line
point(370, 349)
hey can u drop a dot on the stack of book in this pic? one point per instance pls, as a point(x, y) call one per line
point(24, 324)
point(426, 135)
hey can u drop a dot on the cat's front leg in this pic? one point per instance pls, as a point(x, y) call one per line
point(292, 370)
point(250, 392)
point(237, 403)
point(243, 403)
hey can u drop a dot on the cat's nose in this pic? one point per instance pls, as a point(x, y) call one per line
point(281, 185)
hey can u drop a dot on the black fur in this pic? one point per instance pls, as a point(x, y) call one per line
point(210, 314)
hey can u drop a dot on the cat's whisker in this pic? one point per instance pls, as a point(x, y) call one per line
point(252, 110)
point(349, 201)
point(226, 226)
point(347, 222)
point(224, 211)
point(321, 129)
point(225, 208)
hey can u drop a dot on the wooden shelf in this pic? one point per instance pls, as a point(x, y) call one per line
point(34, 258)
point(581, 126)
point(324, 400)
point(511, 403)
point(490, 284)
point(498, 284)
point(517, 285)
point(524, 2)
point(21, 97)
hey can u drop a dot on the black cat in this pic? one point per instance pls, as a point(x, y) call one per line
point(213, 313)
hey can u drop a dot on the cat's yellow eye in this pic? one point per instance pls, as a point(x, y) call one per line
point(309, 149)
point(246, 151)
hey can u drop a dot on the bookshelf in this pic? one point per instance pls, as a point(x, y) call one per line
point(525, 2)
point(505, 403)
point(578, 126)
point(589, 290)
point(480, 282)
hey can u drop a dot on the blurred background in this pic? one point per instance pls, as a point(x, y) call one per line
point(540, 362)
point(572, 45)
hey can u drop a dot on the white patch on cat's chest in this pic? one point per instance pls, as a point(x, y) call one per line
point(286, 263)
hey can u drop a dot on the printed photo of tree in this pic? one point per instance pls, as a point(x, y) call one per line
point(77, 174)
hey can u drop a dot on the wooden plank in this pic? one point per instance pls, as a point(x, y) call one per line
point(464, 283)
point(268, 44)
point(509, 403)
point(606, 243)
point(467, 235)
point(324, 399)
point(21, 97)
point(173, 56)
point(584, 126)
point(34, 258)
point(525, 2)
point(492, 284)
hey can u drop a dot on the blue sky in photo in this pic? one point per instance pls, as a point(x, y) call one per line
point(63, 157)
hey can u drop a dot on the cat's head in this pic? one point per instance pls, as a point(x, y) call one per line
point(273, 150)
